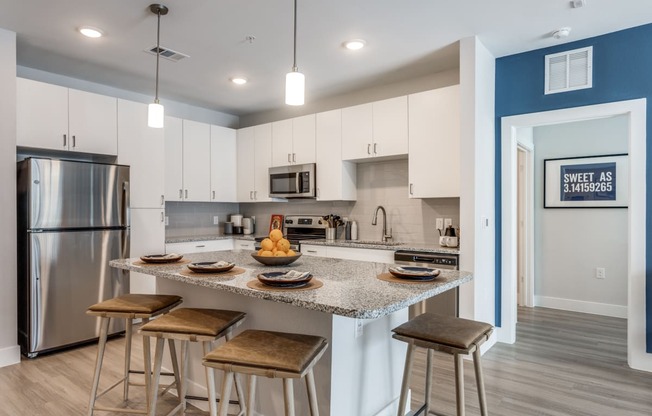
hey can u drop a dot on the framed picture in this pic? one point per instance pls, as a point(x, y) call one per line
point(586, 182)
point(276, 222)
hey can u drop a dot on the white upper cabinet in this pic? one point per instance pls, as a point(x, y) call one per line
point(336, 180)
point(293, 141)
point(378, 129)
point(223, 164)
point(59, 118)
point(434, 143)
point(187, 160)
point(254, 155)
point(196, 161)
point(143, 149)
point(173, 132)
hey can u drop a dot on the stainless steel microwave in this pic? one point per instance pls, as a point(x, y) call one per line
point(294, 181)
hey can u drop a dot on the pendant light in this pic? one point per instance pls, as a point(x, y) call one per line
point(156, 113)
point(295, 81)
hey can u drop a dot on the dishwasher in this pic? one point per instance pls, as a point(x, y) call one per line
point(445, 303)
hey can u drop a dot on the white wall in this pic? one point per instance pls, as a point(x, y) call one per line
point(571, 243)
point(9, 350)
point(477, 74)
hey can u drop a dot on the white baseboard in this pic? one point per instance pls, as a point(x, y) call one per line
point(595, 308)
point(9, 356)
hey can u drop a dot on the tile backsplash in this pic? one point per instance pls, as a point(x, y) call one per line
point(379, 183)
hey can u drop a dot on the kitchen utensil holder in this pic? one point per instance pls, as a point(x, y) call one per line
point(331, 233)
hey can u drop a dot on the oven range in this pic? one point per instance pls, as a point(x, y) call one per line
point(298, 228)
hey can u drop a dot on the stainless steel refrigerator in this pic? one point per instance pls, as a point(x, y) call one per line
point(73, 218)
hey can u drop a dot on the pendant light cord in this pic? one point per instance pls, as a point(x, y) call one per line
point(158, 51)
point(294, 67)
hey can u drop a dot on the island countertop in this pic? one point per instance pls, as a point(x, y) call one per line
point(350, 288)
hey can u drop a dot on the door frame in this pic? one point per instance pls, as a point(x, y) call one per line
point(528, 148)
point(511, 128)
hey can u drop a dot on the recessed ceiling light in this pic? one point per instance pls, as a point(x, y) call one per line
point(90, 32)
point(239, 80)
point(354, 44)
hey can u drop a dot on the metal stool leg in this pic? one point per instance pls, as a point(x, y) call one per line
point(312, 393)
point(251, 394)
point(288, 394)
point(128, 334)
point(175, 369)
point(405, 386)
point(147, 369)
point(158, 362)
point(101, 346)
point(479, 379)
point(459, 384)
point(183, 389)
point(210, 381)
point(227, 382)
point(238, 383)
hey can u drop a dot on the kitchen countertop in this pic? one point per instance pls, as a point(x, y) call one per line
point(190, 239)
point(350, 288)
point(380, 246)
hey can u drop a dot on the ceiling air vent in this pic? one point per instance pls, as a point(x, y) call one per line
point(167, 53)
point(570, 70)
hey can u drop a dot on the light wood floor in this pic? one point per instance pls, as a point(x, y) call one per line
point(563, 364)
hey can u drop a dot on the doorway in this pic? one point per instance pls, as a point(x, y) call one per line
point(515, 126)
point(525, 220)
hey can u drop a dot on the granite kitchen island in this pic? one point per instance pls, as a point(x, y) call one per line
point(360, 373)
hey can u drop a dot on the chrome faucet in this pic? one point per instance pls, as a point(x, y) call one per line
point(374, 221)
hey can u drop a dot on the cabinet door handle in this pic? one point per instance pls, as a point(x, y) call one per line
point(213, 194)
point(289, 158)
point(411, 192)
point(74, 141)
point(312, 251)
point(255, 195)
point(251, 195)
point(180, 193)
point(186, 194)
point(375, 148)
point(294, 157)
point(368, 148)
point(201, 245)
point(162, 200)
point(318, 193)
point(65, 141)
point(162, 217)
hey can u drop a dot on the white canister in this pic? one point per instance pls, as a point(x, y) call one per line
point(354, 230)
point(236, 219)
point(247, 226)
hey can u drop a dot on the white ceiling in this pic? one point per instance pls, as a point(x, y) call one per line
point(405, 39)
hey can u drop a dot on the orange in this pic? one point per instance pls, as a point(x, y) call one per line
point(280, 254)
point(283, 245)
point(267, 244)
point(274, 250)
point(291, 253)
point(261, 251)
point(275, 235)
point(266, 253)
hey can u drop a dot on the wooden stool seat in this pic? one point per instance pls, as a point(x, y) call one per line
point(127, 307)
point(190, 325)
point(273, 355)
point(448, 334)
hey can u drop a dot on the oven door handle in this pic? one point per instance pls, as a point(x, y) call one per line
point(418, 259)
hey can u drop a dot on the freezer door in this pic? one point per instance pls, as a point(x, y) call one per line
point(65, 194)
point(69, 271)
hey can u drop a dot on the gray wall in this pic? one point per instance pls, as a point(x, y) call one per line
point(571, 243)
point(9, 352)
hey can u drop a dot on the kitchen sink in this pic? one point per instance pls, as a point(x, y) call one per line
point(377, 243)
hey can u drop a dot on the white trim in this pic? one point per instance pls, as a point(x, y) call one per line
point(595, 308)
point(9, 356)
point(635, 110)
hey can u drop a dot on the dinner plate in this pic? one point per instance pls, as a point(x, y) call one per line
point(281, 279)
point(414, 273)
point(210, 267)
point(161, 258)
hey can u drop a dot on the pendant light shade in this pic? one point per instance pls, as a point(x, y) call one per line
point(155, 111)
point(295, 81)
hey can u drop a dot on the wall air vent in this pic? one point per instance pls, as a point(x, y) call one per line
point(569, 71)
point(167, 53)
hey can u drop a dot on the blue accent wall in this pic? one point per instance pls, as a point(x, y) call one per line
point(622, 70)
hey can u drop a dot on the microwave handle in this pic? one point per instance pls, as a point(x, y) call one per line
point(299, 182)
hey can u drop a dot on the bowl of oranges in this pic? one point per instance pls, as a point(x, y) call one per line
point(275, 250)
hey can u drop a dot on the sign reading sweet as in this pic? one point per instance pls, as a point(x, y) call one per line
point(588, 182)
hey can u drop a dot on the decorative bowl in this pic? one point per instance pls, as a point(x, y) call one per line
point(276, 261)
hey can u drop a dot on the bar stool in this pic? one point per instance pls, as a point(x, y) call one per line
point(127, 307)
point(191, 325)
point(448, 334)
point(272, 355)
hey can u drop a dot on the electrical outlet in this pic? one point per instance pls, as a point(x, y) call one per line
point(440, 223)
point(216, 220)
point(359, 327)
point(167, 220)
point(448, 222)
point(600, 273)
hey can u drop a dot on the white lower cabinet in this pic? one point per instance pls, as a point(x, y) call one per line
point(244, 244)
point(199, 246)
point(147, 237)
point(349, 253)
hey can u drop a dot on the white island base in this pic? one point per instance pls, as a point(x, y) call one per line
point(359, 375)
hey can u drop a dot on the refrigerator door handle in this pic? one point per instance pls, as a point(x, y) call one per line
point(125, 204)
